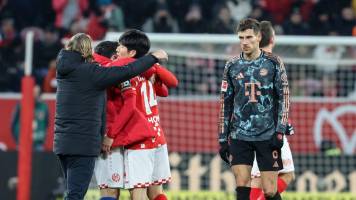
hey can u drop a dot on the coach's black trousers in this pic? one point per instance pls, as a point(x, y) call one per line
point(77, 171)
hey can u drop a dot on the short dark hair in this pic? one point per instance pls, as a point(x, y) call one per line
point(135, 40)
point(266, 33)
point(106, 48)
point(249, 23)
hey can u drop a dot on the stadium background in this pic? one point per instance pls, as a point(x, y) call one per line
point(314, 39)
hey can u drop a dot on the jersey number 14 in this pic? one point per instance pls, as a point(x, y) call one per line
point(149, 96)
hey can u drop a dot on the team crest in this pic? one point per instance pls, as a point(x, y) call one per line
point(115, 177)
point(263, 72)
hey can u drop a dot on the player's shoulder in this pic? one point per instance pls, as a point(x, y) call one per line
point(275, 59)
point(232, 61)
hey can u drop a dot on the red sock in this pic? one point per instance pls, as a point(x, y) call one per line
point(281, 185)
point(161, 197)
point(256, 194)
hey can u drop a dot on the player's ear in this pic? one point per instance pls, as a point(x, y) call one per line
point(132, 53)
point(114, 57)
point(271, 41)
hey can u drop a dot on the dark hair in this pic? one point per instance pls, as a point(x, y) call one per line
point(106, 48)
point(135, 40)
point(249, 23)
point(266, 33)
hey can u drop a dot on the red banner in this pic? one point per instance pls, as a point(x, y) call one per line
point(190, 125)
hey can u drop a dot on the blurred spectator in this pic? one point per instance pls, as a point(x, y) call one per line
point(323, 22)
point(278, 9)
point(10, 56)
point(193, 21)
point(97, 25)
point(161, 22)
point(178, 10)
point(115, 16)
point(239, 9)
point(295, 25)
point(223, 23)
point(327, 58)
point(46, 49)
point(40, 121)
point(136, 12)
point(7, 32)
point(259, 14)
point(305, 7)
point(68, 11)
point(77, 26)
point(50, 81)
point(347, 21)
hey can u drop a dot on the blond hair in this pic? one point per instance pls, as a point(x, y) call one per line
point(81, 43)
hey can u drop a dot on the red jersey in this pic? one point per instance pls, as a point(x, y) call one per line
point(132, 112)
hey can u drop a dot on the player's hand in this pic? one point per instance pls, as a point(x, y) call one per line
point(161, 55)
point(224, 152)
point(276, 141)
point(106, 145)
point(290, 129)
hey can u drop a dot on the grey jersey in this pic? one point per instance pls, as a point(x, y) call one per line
point(254, 98)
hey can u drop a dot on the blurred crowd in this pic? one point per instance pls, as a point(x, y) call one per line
point(53, 20)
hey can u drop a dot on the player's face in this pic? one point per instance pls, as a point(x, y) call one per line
point(123, 52)
point(249, 41)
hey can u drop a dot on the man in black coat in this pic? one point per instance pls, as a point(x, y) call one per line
point(80, 108)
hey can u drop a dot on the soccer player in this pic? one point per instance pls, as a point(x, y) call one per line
point(80, 108)
point(286, 175)
point(134, 131)
point(254, 112)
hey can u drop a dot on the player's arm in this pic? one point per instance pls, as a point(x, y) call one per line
point(160, 88)
point(110, 111)
point(128, 108)
point(226, 110)
point(282, 92)
point(226, 105)
point(103, 77)
point(166, 76)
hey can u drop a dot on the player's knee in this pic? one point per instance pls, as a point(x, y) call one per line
point(288, 177)
point(243, 182)
point(109, 192)
point(269, 191)
point(154, 191)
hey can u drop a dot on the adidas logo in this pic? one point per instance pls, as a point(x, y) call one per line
point(240, 76)
point(275, 164)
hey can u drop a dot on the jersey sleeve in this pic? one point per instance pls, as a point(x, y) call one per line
point(110, 111)
point(128, 93)
point(226, 104)
point(160, 88)
point(166, 76)
point(282, 92)
point(148, 73)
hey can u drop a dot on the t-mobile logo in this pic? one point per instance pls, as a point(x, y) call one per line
point(252, 91)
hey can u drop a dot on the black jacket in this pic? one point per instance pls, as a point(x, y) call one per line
point(80, 102)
